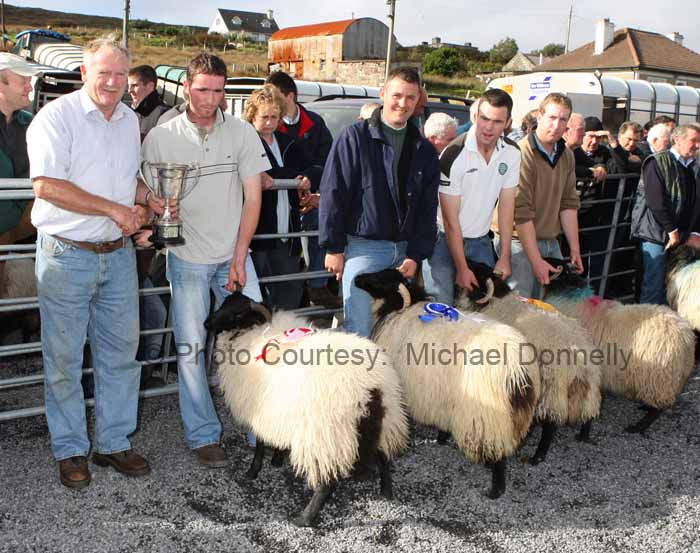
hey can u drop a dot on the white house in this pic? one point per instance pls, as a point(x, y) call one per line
point(255, 26)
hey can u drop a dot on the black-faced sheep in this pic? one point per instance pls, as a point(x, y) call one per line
point(648, 349)
point(570, 386)
point(332, 399)
point(461, 375)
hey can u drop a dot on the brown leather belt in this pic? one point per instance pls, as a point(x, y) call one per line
point(97, 247)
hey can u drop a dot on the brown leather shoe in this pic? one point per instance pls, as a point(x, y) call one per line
point(126, 462)
point(74, 472)
point(212, 456)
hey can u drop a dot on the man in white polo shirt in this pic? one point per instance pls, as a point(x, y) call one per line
point(478, 168)
point(84, 156)
point(219, 219)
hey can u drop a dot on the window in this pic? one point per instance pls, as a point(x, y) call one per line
point(265, 23)
point(321, 64)
point(236, 20)
point(218, 21)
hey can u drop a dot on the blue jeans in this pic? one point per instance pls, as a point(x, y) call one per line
point(365, 256)
point(522, 280)
point(654, 271)
point(190, 284)
point(309, 221)
point(81, 294)
point(154, 315)
point(439, 271)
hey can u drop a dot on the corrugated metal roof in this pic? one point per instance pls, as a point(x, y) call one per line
point(317, 29)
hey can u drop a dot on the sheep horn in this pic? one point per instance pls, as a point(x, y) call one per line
point(405, 296)
point(489, 292)
point(260, 308)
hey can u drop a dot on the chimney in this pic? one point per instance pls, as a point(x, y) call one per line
point(269, 15)
point(676, 37)
point(604, 34)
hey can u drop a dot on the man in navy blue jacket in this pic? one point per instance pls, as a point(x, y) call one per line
point(379, 197)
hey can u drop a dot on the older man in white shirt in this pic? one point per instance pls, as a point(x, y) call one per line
point(84, 156)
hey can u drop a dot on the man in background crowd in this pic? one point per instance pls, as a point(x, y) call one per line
point(440, 129)
point(15, 85)
point(144, 98)
point(667, 208)
point(312, 136)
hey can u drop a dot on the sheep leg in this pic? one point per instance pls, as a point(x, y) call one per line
point(443, 437)
point(257, 463)
point(498, 479)
point(384, 476)
point(278, 457)
point(549, 428)
point(584, 434)
point(309, 514)
point(645, 422)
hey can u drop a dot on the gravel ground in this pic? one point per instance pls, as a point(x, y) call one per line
point(623, 493)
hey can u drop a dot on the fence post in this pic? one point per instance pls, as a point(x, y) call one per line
point(611, 237)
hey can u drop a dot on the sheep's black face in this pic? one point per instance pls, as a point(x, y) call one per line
point(237, 312)
point(483, 273)
point(382, 284)
point(565, 282)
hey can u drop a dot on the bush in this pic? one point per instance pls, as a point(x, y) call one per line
point(443, 61)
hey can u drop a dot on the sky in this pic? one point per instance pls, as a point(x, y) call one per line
point(482, 22)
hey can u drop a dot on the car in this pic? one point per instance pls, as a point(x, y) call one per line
point(339, 113)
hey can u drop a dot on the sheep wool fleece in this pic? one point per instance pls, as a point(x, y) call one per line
point(472, 399)
point(570, 382)
point(312, 406)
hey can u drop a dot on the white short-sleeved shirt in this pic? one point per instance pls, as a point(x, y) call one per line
point(230, 153)
point(70, 139)
point(465, 173)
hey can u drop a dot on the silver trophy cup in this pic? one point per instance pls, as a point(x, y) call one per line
point(172, 182)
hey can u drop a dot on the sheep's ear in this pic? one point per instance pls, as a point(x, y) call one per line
point(405, 296)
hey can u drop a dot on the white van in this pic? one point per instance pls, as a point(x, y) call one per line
point(611, 99)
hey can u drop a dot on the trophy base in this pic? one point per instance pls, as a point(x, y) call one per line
point(164, 236)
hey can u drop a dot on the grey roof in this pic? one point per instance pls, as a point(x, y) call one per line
point(250, 21)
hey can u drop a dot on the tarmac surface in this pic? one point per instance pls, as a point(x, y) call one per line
point(623, 493)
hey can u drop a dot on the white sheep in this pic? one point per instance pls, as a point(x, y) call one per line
point(570, 380)
point(332, 399)
point(649, 349)
point(683, 283)
point(462, 376)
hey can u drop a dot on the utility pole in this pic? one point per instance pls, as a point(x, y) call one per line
point(392, 14)
point(2, 22)
point(125, 27)
point(568, 30)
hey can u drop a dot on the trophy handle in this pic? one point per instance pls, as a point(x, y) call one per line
point(143, 171)
point(191, 181)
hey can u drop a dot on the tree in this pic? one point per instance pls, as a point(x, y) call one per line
point(442, 61)
point(551, 50)
point(503, 51)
